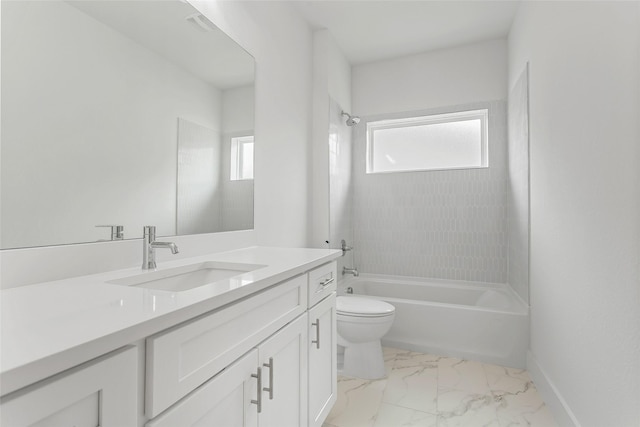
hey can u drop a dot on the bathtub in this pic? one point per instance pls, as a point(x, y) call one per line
point(476, 321)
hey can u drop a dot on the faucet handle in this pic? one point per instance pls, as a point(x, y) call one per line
point(344, 247)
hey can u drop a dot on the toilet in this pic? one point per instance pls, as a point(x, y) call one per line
point(361, 323)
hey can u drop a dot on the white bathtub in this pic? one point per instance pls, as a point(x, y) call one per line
point(476, 321)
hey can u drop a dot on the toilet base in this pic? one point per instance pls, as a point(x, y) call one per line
point(364, 360)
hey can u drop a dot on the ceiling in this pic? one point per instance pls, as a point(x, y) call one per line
point(373, 30)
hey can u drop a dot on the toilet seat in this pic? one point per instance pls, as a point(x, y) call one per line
point(363, 307)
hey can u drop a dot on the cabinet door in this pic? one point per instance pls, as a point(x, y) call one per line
point(228, 399)
point(283, 358)
point(103, 392)
point(322, 360)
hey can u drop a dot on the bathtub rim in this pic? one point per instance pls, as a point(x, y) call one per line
point(520, 306)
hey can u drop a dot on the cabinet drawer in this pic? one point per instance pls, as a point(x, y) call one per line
point(185, 357)
point(322, 281)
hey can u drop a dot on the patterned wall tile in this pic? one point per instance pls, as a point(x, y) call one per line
point(438, 224)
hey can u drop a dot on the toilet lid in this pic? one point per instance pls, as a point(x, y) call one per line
point(357, 306)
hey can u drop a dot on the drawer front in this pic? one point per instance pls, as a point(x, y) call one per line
point(322, 281)
point(180, 360)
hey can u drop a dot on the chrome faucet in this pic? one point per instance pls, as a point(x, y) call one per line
point(353, 271)
point(149, 246)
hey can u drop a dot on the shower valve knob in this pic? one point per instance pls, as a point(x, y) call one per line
point(345, 248)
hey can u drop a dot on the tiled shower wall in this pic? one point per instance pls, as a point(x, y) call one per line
point(449, 224)
point(340, 184)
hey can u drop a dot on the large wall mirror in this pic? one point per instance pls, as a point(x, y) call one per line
point(126, 113)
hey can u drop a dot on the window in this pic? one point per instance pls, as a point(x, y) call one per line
point(440, 141)
point(242, 158)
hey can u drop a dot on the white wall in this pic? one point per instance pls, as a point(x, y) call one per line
point(339, 75)
point(463, 75)
point(281, 43)
point(518, 185)
point(200, 189)
point(585, 205)
point(331, 80)
point(237, 109)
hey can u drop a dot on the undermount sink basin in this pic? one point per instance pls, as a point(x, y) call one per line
point(187, 277)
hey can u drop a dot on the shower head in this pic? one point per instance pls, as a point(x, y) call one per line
point(351, 120)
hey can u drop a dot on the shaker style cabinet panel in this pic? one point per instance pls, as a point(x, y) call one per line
point(266, 388)
point(229, 399)
point(187, 356)
point(100, 393)
point(322, 360)
point(283, 358)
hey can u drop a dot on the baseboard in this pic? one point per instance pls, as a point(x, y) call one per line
point(550, 394)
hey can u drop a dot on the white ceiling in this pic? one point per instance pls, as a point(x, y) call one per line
point(372, 30)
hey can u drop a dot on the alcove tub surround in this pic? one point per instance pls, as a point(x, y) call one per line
point(51, 330)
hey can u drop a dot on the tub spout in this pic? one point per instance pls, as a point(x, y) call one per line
point(353, 271)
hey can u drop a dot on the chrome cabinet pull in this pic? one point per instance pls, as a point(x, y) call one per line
point(270, 388)
point(324, 284)
point(258, 401)
point(317, 340)
point(327, 282)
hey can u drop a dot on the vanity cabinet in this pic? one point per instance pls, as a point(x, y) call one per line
point(267, 359)
point(183, 358)
point(103, 392)
point(322, 343)
point(265, 387)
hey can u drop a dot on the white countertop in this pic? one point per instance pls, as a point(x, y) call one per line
point(49, 327)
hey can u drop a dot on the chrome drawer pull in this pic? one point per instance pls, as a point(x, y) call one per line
point(327, 282)
point(317, 340)
point(324, 284)
point(258, 401)
point(270, 388)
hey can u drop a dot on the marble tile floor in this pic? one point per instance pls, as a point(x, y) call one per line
point(425, 390)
